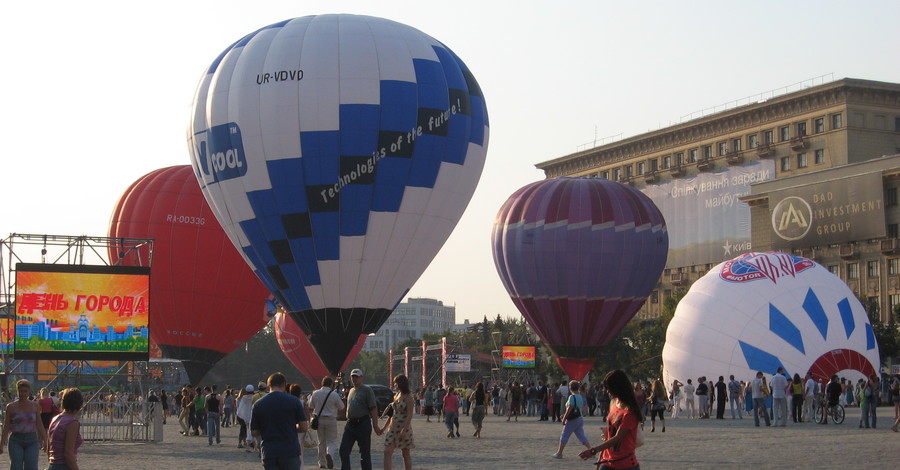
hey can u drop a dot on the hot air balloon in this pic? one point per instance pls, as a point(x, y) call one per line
point(297, 348)
point(338, 152)
point(205, 297)
point(578, 257)
point(762, 311)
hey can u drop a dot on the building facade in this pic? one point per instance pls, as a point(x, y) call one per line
point(412, 319)
point(712, 178)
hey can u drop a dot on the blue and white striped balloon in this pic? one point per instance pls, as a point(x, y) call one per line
point(338, 152)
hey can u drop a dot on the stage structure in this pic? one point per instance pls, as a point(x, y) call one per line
point(429, 364)
point(62, 305)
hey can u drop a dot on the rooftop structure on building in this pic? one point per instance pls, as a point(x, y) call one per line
point(719, 179)
point(412, 319)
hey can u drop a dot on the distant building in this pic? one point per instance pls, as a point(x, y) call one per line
point(809, 172)
point(463, 327)
point(412, 319)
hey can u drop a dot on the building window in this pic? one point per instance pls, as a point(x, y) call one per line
point(641, 166)
point(667, 162)
point(872, 268)
point(707, 152)
point(654, 164)
point(604, 174)
point(617, 173)
point(801, 160)
point(721, 148)
point(801, 129)
point(735, 145)
point(628, 171)
point(785, 163)
point(819, 125)
point(837, 121)
point(894, 300)
point(890, 196)
point(752, 141)
point(679, 158)
point(819, 156)
point(784, 133)
point(692, 155)
point(893, 231)
point(893, 266)
point(654, 297)
point(897, 124)
point(852, 271)
point(768, 137)
point(835, 269)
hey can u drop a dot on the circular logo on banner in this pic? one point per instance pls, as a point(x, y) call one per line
point(792, 218)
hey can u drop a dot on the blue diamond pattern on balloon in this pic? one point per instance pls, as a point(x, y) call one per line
point(847, 316)
point(343, 176)
point(760, 360)
point(870, 337)
point(782, 326)
point(813, 308)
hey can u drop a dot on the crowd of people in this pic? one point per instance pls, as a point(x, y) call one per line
point(277, 419)
point(781, 396)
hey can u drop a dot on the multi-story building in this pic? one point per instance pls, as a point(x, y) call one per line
point(715, 177)
point(412, 319)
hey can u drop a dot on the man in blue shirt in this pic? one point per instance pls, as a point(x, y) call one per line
point(275, 421)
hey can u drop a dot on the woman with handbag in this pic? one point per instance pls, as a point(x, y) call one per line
point(572, 419)
point(399, 425)
point(657, 405)
point(621, 435)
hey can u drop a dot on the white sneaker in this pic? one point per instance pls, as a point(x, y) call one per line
point(556, 456)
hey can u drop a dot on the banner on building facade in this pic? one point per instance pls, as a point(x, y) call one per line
point(820, 214)
point(706, 221)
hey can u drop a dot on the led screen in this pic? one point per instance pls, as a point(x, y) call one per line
point(518, 357)
point(82, 312)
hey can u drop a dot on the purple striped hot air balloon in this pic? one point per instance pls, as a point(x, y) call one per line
point(578, 257)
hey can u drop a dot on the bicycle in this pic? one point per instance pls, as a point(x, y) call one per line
point(823, 411)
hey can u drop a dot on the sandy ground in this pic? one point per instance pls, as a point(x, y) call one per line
point(527, 444)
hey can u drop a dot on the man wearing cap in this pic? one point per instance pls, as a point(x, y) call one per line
point(362, 417)
point(244, 410)
point(326, 403)
point(275, 421)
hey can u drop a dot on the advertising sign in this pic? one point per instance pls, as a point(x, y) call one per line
point(706, 221)
point(519, 357)
point(82, 312)
point(836, 211)
point(459, 363)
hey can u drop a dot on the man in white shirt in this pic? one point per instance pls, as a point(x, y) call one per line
point(809, 396)
point(779, 397)
point(326, 403)
point(689, 398)
point(759, 400)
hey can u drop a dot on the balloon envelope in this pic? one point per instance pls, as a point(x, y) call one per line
point(205, 297)
point(338, 152)
point(297, 348)
point(761, 311)
point(578, 257)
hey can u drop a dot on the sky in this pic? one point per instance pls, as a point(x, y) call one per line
point(96, 94)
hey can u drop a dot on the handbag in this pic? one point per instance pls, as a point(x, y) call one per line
point(639, 437)
point(310, 441)
point(314, 423)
